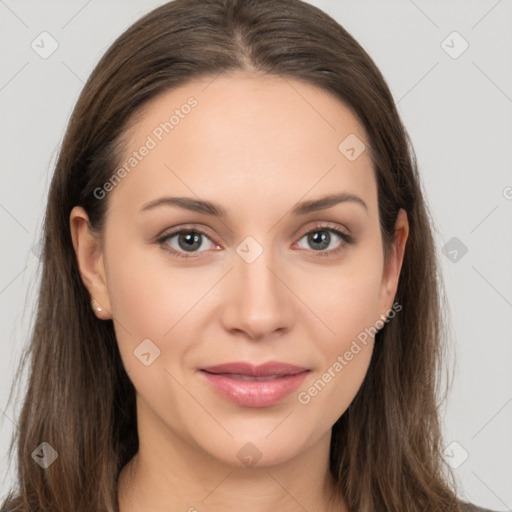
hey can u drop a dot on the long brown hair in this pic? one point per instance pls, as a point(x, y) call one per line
point(386, 451)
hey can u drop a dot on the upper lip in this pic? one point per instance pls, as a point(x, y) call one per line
point(260, 370)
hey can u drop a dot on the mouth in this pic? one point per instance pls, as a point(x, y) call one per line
point(251, 385)
point(248, 378)
point(269, 369)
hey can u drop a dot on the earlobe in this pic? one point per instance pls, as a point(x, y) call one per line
point(89, 256)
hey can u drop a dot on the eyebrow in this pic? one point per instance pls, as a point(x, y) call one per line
point(216, 210)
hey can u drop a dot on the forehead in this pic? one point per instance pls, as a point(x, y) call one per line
point(239, 135)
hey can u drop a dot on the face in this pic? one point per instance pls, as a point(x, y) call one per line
point(263, 274)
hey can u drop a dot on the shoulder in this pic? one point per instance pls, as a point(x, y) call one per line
point(468, 507)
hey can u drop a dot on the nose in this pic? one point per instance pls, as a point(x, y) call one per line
point(258, 301)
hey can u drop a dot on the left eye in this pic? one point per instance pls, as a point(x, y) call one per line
point(321, 239)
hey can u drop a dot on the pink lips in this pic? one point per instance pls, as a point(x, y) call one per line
point(255, 386)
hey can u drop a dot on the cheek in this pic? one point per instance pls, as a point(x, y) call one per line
point(148, 295)
point(345, 353)
point(347, 303)
point(346, 300)
point(150, 300)
point(331, 392)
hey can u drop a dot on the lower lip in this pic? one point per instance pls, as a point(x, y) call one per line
point(255, 393)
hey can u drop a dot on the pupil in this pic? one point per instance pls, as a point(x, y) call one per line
point(323, 239)
point(188, 240)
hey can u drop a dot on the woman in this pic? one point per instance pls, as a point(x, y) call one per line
point(239, 306)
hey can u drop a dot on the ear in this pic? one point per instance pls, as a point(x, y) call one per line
point(392, 269)
point(89, 255)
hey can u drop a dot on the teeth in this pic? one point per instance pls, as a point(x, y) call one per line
point(250, 377)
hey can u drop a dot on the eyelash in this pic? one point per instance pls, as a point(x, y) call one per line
point(346, 240)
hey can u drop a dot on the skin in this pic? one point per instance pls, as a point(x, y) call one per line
point(257, 146)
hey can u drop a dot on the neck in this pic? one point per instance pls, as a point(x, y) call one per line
point(168, 473)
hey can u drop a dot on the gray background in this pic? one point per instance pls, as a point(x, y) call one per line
point(458, 112)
